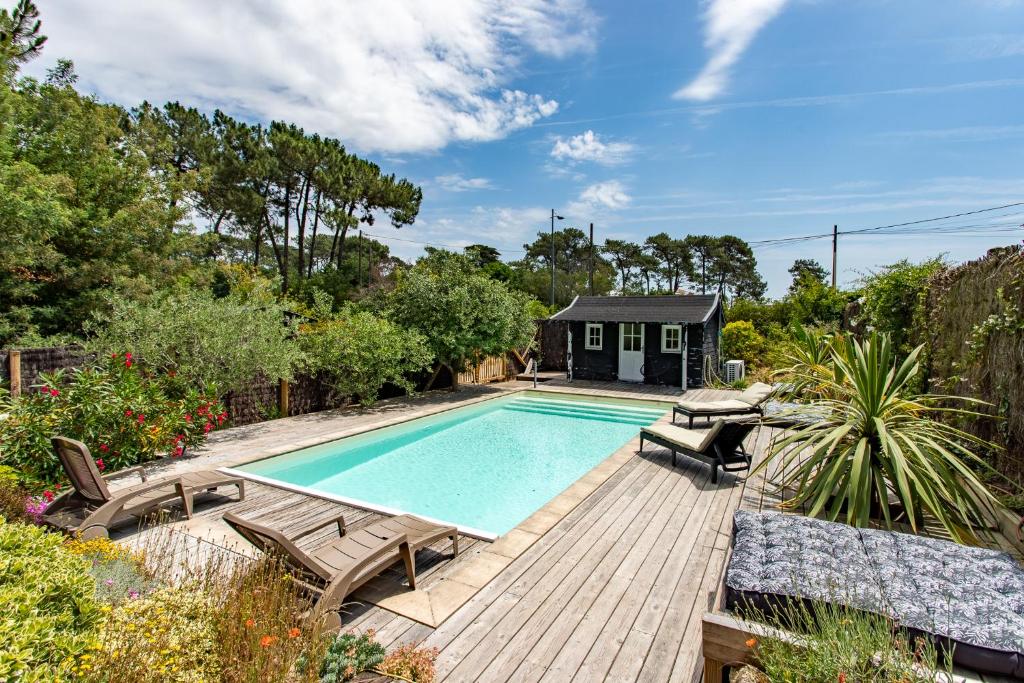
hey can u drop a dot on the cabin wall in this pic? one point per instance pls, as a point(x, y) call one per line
point(600, 365)
point(695, 339)
point(660, 368)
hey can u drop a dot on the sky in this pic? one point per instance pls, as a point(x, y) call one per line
point(764, 119)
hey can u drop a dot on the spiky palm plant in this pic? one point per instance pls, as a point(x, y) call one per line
point(810, 371)
point(875, 440)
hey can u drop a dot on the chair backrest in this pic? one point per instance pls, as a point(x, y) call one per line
point(275, 544)
point(81, 469)
point(756, 393)
point(733, 433)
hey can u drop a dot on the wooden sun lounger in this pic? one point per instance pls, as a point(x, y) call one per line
point(89, 508)
point(748, 402)
point(721, 446)
point(341, 565)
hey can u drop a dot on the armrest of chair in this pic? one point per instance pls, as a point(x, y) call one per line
point(104, 514)
point(336, 591)
point(128, 470)
point(339, 520)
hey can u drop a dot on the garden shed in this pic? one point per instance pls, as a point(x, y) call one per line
point(649, 339)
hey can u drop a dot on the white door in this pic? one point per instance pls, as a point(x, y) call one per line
point(631, 352)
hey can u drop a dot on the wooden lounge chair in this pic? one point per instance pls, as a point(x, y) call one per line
point(89, 508)
point(749, 401)
point(720, 446)
point(341, 565)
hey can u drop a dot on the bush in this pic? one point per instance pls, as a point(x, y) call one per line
point(894, 300)
point(119, 573)
point(360, 352)
point(347, 656)
point(740, 341)
point(48, 611)
point(125, 416)
point(410, 663)
point(13, 497)
point(215, 344)
point(838, 643)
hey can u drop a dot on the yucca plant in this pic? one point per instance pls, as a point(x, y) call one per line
point(810, 371)
point(874, 440)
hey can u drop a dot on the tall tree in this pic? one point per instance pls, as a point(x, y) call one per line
point(704, 249)
point(20, 39)
point(734, 269)
point(675, 257)
point(625, 256)
point(805, 271)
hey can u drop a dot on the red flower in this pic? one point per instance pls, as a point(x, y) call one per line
point(142, 418)
point(104, 447)
point(267, 641)
point(294, 633)
point(127, 356)
point(54, 392)
point(207, 427)
point(113, 355)
point(188, 417)
point(100, 464)
point(127, 363)
point(127, 413)
point(44, 390)
point(48, 495)
point(178, 451)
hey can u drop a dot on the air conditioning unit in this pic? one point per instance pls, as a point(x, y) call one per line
point(735, 370)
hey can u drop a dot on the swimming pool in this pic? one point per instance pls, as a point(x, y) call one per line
point(484, 467)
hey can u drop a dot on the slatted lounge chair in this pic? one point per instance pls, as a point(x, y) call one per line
point(749, 401)
point(721, 446)
point(966, 599)
point(341, 565)
point(89, 508)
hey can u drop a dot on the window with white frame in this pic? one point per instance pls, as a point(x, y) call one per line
point(595, 337)
point(671, 338)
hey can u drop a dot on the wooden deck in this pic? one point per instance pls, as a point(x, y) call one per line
point(614, 591)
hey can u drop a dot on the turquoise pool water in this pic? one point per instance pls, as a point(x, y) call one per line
point(484, 467)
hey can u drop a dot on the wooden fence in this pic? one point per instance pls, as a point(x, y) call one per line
point(489, 369)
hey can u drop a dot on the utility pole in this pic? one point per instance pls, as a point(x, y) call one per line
point(591, 259)
point(553, 217)
point(359, 267)
point(835, 240)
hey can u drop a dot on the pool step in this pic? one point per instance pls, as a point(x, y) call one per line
point(609, 408)
point(590, 411)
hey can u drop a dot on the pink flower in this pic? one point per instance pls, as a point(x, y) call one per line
point(109, 582)
point(133, 594)
point(142, 418)
point(178, 451)
point(104, 447)
point(100, 464)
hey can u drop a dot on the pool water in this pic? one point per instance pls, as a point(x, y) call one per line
point(484, 467)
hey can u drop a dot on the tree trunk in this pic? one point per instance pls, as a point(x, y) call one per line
point(455, 377)
point(287, 235)
point(302, 227)
point(312, 241)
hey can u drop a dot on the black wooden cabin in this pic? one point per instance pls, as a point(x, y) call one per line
point(649, 339)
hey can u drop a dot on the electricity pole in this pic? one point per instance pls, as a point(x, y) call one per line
point(835, 240)
point(591, 259)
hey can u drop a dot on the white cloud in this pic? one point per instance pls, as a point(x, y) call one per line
point(455, 182)
point(729, 28)
point(588, 146)
point(598, 201)
point(401, 76)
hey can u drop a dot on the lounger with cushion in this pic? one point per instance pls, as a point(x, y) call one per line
point(337, 567)
point(721, 446)
point(749, 401)
point(967, 599)
point(89, 508)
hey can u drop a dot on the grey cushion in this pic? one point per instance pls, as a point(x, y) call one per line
point(972, 598)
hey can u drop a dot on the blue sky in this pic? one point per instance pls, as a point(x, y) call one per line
point(759, 118)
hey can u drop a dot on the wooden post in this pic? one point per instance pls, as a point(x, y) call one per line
point(14, 365)
point(282, 397)
point(591, 271)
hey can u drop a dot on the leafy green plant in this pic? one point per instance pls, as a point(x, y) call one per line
point(808, 370)
point(216, 344)
point(836, 643)
point(874, 439)
point(348, 655)
point(124, 414)
point(360, 352)
point(740, 341)
point(48, 611)
point(894, 300)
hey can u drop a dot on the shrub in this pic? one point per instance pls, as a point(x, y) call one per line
point(360, 352)
point(347, 656)
point(410, 663)
point(14, 499)
point(48, 612)
point(125, 415)
point(215, 344)
point(740, 341)
point(836, 643)
point(168, 636)
point(119, 573)
point(894, 300)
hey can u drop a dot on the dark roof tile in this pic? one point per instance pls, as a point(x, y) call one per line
point(679, 308)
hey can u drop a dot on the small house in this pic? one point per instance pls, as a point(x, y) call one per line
point(649, 339)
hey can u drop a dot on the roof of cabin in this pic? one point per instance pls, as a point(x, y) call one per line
point(670, 308)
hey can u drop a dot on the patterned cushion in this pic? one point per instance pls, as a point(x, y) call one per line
point(972, 598)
